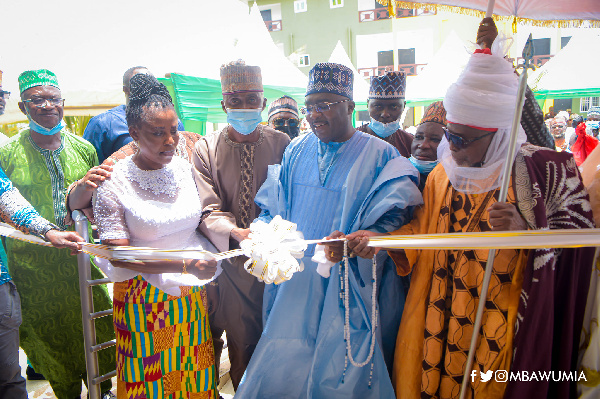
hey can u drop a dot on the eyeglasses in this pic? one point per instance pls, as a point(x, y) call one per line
point(321, 107)
point(41, 102)
point(281, 122)
point(461, 143)
point(5, 94)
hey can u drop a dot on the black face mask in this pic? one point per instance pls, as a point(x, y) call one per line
point(290, 131)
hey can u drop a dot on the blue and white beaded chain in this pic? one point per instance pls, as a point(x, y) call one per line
point(346, 293)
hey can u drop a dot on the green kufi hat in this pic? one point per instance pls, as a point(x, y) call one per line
point(38, 77)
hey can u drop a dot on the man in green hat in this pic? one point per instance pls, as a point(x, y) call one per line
point(42, 161)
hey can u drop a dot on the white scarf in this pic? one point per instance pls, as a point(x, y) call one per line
point(485, 95)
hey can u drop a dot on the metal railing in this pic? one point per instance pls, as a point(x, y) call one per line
point(273, 26)
point(408, 69)
point(88, 316)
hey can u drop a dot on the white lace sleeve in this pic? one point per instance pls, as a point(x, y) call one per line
point(109, 211)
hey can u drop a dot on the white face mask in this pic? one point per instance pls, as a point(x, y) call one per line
point(424, 167)
point(244, 121)
point(384, 130)
point(36, 127)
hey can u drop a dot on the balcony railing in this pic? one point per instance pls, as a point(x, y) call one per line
point(408, 69)
point(538, 60)
point(273, 26)
point(382, 13)
point(415, 69)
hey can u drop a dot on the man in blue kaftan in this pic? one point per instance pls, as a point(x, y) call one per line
point(333, 179)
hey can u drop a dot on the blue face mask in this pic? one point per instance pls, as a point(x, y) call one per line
point(244, 121)
point(36, 127)
point(593, 124)
point(424, 167)
point(384, 130)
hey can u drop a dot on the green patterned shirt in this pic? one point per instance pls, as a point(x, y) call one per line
point(42, 176)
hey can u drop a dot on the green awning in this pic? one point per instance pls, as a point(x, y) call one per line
point(199, 99)
point(574, 93)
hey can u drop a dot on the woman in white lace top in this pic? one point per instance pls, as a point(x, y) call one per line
point(164, 345)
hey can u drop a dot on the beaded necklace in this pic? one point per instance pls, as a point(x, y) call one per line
point(345, 293)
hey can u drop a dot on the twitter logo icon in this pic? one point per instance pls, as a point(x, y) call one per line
point(485, 377)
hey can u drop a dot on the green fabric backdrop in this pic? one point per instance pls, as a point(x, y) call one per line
point(198, 100)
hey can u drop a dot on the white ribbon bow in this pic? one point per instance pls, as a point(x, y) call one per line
point(273, 250)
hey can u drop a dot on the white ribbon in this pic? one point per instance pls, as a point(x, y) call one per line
point(274, 250)
point(282, 245)
point(515, 239)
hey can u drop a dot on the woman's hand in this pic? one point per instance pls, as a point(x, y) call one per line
point(203, 269)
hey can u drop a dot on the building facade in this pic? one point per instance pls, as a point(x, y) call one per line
point(307, 31)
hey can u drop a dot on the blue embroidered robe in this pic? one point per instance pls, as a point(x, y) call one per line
point(361, 184)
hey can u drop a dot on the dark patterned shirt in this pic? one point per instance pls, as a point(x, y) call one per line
point(401, 140)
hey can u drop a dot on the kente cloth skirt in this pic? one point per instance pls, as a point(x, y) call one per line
point(164, 346)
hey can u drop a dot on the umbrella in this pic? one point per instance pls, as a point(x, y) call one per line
point(559, 13)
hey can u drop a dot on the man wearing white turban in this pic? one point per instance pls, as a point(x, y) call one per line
point(535, 304)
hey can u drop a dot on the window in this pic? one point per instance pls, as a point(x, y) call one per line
point(385, 58)
point(300, 6)
point(303, 60)
point(271, 14)
point(336, 3)
point(405, 56)
point(587, 102)
point(564, 41)
point(563, 104)
point(541, 46)
point(266, 15)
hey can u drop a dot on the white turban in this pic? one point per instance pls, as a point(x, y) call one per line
point(484, 96)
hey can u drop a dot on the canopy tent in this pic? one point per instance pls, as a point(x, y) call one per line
point(444, 69)
point(572, 72)
point(255, 45)
point(361, 87)
point(96, 43)
point(198, 99)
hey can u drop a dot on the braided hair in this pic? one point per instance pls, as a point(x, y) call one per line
point(146, 92)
